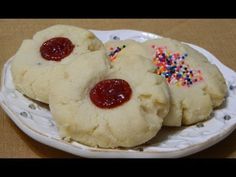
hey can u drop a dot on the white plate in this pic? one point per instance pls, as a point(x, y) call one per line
point(36, 120)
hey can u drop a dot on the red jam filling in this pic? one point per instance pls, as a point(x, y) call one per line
point(56, 48)
point(110, 93)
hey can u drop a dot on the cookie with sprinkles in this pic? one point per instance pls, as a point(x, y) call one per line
point(196, 85)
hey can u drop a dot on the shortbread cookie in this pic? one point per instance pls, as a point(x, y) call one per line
point(33, 62)
point(196, 85)
point(121, 106)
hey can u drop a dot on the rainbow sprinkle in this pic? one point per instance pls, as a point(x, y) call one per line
point(172, 66)
point(114, 52)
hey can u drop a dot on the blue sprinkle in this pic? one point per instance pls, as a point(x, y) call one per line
point(231, 87)
point(179, 75)
point(116, 38)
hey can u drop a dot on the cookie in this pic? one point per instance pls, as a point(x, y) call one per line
point(32, 64)
point(196, 85)
point(108, 106)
